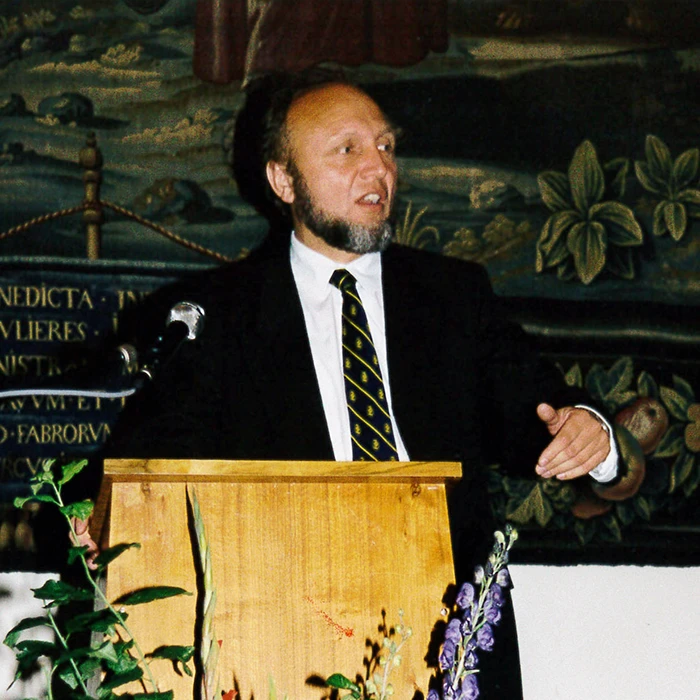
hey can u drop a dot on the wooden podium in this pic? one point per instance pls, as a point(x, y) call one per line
point(306, 556)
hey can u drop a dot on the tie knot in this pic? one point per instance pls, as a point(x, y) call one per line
point(343, 280)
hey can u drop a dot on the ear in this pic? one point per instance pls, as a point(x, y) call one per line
point(280, 181)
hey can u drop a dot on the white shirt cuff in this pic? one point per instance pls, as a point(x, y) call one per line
point(607, 469)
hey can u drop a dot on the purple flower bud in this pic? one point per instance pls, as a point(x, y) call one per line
point(492, 612)
point(447, 655)
point(447, 692)
point(503, 578)
point(465, 597)
point(478, 575)
point(469, 689)
point(496, 594)
point(453, 632)
point(433, 694)
point(484, 637)
point(470, 661)
point(466, 627)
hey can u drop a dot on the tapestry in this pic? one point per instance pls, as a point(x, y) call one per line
point(554, 142)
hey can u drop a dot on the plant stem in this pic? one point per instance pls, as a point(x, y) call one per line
point(101, 596)
point(63, 641)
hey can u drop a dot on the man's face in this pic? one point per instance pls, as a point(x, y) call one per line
point(342, 172)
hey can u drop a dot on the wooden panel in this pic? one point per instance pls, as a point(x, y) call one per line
point(303, 571)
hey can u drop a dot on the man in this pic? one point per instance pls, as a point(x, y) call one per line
point(266, 378)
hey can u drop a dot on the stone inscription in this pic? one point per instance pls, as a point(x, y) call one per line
point(52, 322)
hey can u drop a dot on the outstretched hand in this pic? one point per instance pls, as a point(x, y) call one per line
point(580, 442)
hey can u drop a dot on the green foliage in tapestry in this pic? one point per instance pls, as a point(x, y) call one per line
point(586, 233)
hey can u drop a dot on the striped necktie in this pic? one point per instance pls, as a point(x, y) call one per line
point(370, 424)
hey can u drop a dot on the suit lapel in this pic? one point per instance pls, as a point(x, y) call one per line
point(410, 349)
point(277, 351)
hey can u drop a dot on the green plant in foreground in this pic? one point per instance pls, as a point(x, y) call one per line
point(385, 658)
point(584, 234)
point(115, 658)
point(670, 180)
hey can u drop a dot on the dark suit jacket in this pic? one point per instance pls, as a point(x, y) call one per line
point(465, 383)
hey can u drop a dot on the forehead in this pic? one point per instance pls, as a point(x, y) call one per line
point(333, 111)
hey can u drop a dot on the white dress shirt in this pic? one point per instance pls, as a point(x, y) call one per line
point(322, 304)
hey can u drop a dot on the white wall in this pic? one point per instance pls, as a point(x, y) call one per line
point(586, 632)
point(608, 633)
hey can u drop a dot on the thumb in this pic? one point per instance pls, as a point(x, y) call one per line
point(549, 416)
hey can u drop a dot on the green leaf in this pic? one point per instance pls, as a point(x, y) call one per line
point(620, 377)
point(167, 695)
point(646, 385)
point(659, 226)
point(176, 654)
point(620, 262)
point(622, 228)
point(676, 403)
point(21, 500)
point(106, 556)
point(338, 680)
point(681, 470)
point(658, 158)
point(554, 188)
point(30, 651)
point(149, 594)
point(691, 198)
point(684, 389)
point(566, 270)
point(692, 482)
point(81, 510)
point(68, 471)
point(60, 592)
point(642, 507)
point(535, 507)
point(587, 243)
point(27, 624)
point(686, 167)
point(671, 442)
point(118, 679)
point(586, 178)
point(675, 219)
point(561, 222)
point(619, 166)
point(598, 384)
point(646, 179)
point(102, 621)
point(574, 376)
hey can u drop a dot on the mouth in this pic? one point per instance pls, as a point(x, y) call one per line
point(371, 199)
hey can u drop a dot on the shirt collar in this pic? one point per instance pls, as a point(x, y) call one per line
point(313, 270)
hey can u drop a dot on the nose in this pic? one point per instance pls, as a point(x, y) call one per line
point(375, 163)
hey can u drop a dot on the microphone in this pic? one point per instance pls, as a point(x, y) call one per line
point(184, 322)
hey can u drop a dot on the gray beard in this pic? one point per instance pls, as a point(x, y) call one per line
point(343, 235)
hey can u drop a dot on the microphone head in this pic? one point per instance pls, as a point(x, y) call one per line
point(189, 313)
point(128, 357)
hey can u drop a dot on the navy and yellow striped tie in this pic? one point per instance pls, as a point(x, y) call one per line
point(370, 424)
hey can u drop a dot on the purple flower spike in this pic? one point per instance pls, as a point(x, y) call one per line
point(470, 688)
point(453, 632)
point(484, 637)
point(503, 578)
point(465, 597)
point(447, 655)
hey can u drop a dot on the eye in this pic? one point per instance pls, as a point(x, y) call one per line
point(386, 146)
point(346, 148)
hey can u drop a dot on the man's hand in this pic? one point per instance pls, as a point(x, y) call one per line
point(83, 538)
point(580, 442)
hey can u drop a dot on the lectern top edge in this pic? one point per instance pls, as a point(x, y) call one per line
point(263, 470)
